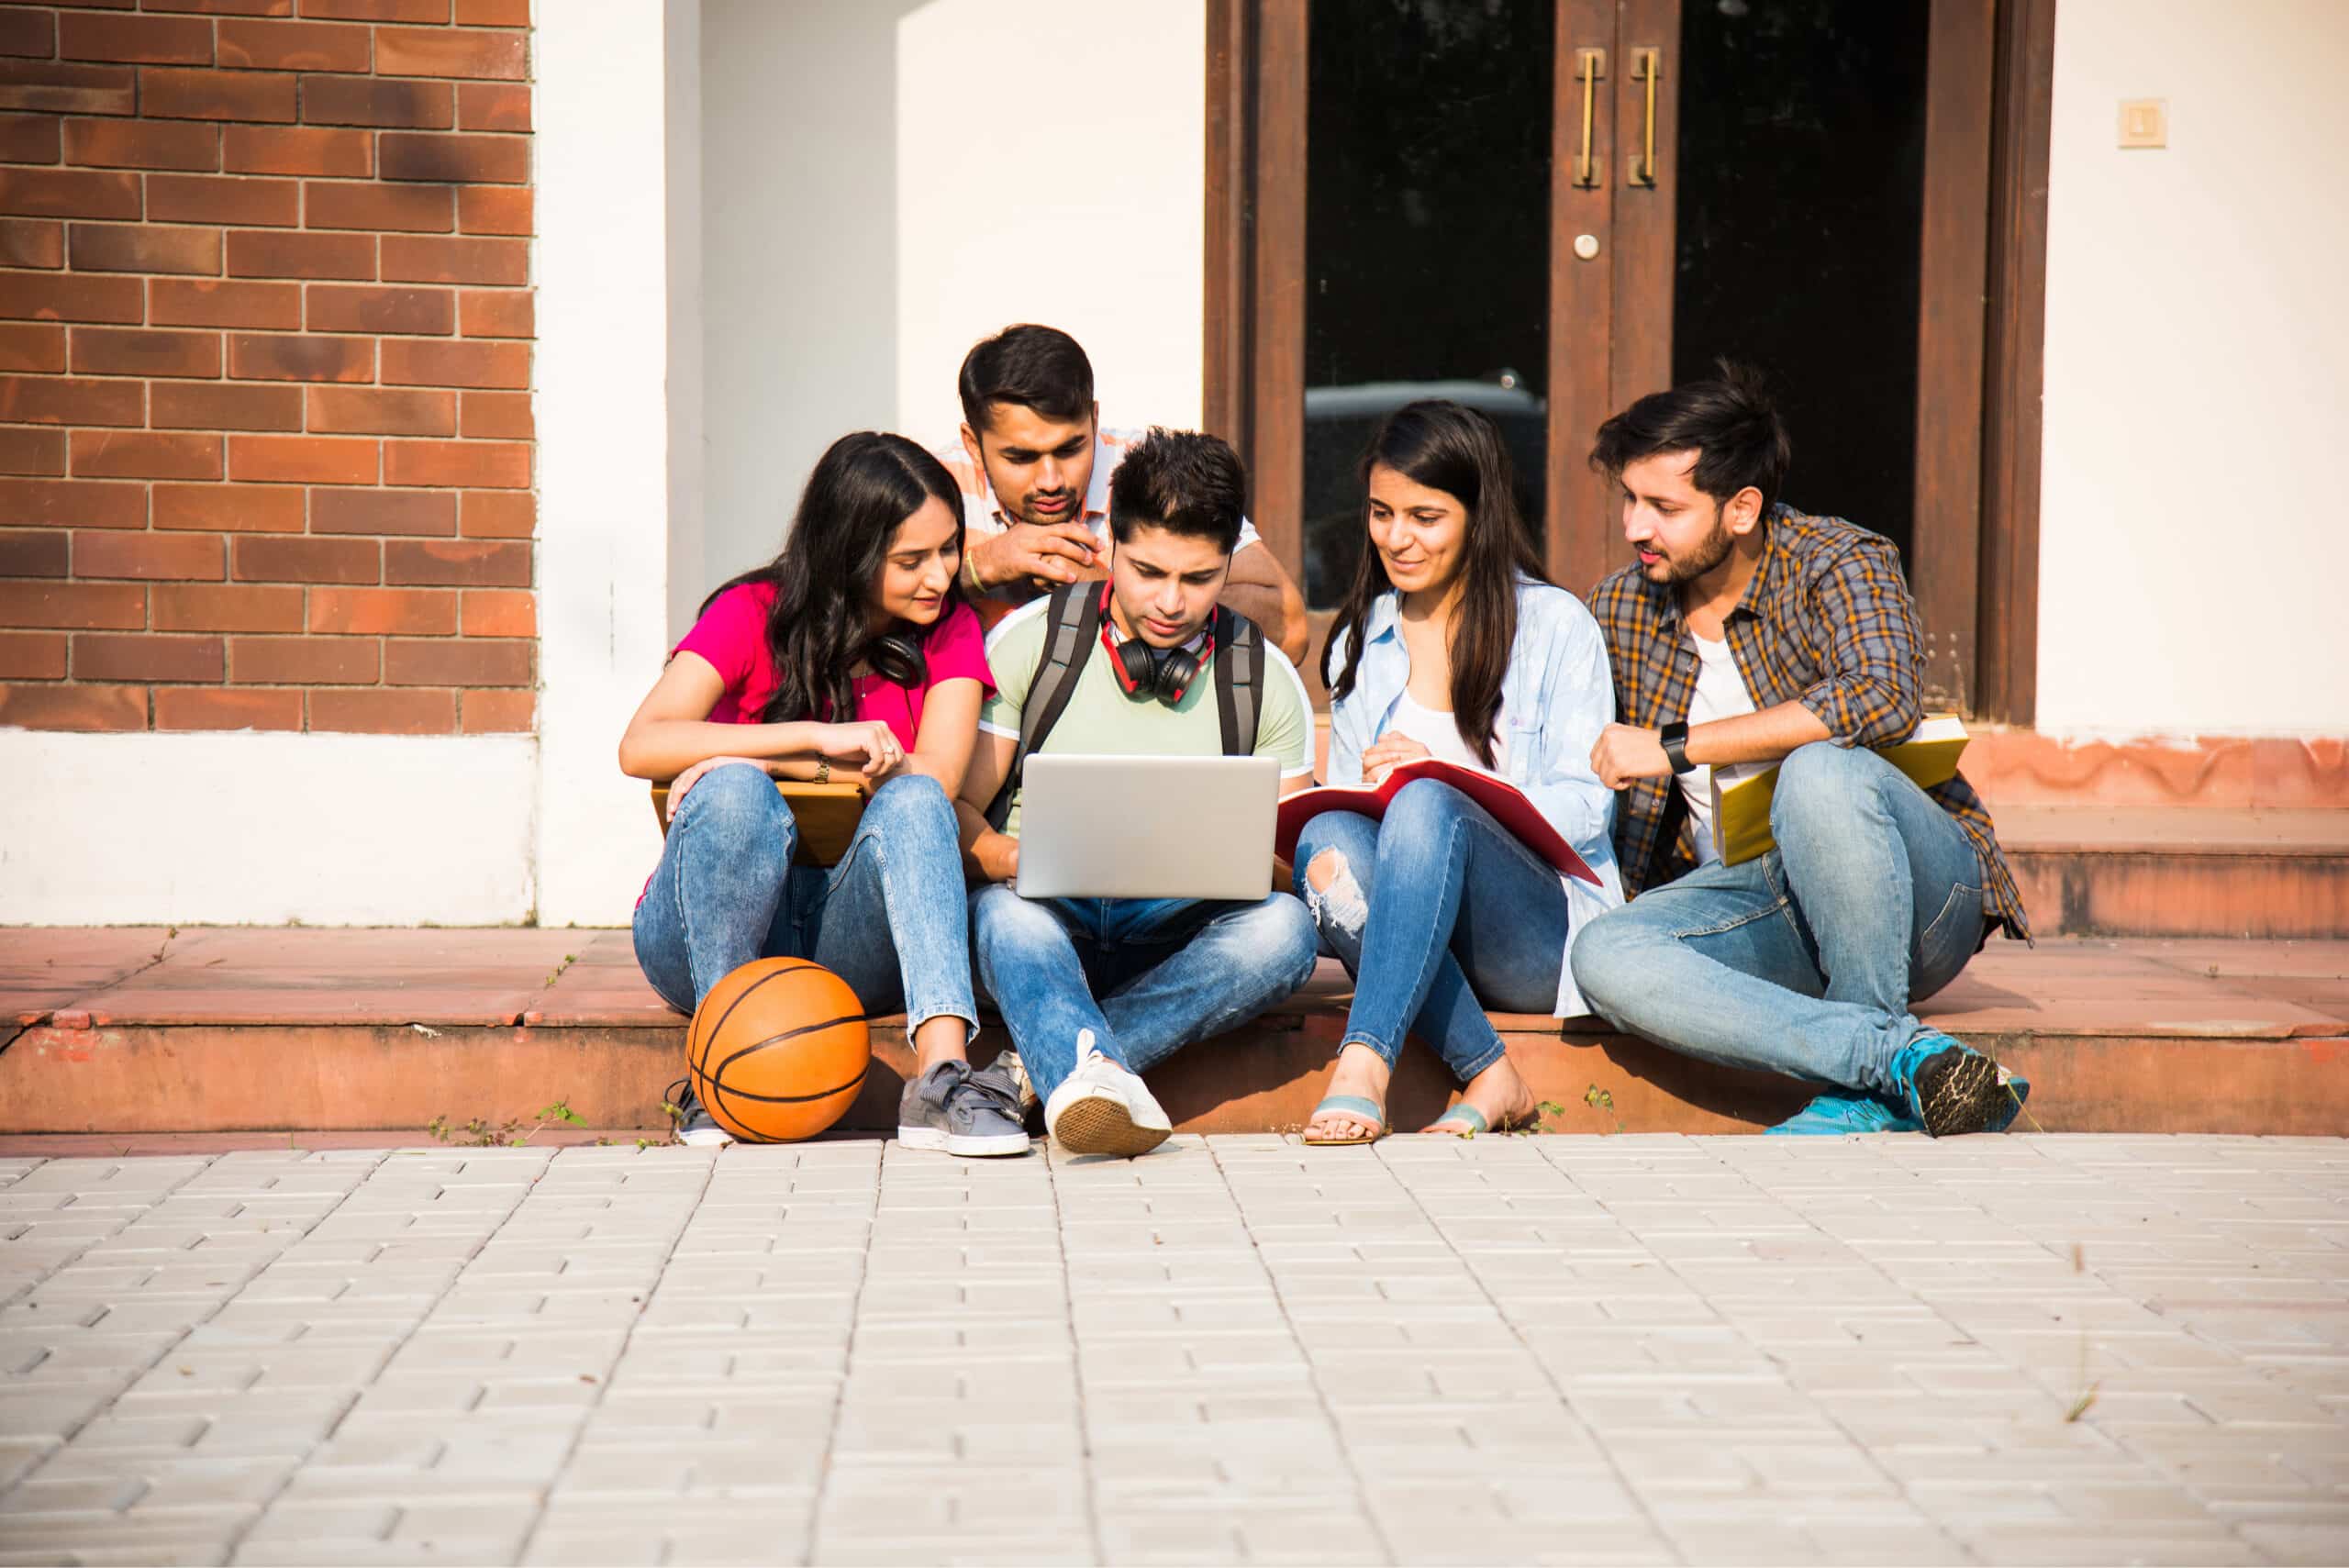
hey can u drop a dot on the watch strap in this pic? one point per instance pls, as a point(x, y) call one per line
point(1674, 737)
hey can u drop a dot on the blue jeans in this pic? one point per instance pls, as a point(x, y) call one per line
point(887, 918)
point(1804, 961)
point(1168, 971)
point(1438, 912)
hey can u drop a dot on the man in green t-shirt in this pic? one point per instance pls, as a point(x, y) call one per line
point(1096, 990)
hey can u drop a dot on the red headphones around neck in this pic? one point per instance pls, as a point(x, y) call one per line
point(1163, 672)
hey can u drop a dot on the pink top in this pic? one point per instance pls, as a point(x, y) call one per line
point(732, 635)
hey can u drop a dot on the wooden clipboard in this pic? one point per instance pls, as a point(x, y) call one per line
point(826, 815)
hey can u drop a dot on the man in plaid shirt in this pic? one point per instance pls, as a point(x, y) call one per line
point(1750, 635)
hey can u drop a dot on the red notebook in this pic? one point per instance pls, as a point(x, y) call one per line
point(1503, 799)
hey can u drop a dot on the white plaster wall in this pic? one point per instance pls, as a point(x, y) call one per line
point(251, 829)
point(2192, 552)
point(688, 479)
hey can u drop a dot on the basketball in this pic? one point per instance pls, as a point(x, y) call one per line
point(778, 1049)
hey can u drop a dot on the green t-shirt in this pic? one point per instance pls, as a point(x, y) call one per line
point(1102, 720)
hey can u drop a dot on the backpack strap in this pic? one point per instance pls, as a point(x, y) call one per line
point(1072, 621)
point(1239, 681)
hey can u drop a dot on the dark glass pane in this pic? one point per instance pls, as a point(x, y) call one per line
point(1427, 244)
point(1800, 208)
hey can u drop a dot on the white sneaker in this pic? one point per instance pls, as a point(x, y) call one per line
point(1101, 1108)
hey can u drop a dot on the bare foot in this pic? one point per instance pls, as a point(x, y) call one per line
point(1360, 1071)
point(1498, 1093)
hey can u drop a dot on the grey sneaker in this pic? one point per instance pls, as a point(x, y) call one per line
point(696, 1127)
point(1008, 1067)
point(956, 1111)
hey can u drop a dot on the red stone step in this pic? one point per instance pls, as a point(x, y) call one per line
point(211, 1030)
point(2102, 871)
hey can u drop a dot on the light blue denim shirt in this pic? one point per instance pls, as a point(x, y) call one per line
point(1557, 697)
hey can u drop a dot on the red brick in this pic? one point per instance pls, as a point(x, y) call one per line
point(24, 451)
point(213, 405)
point(416, 512)
point(191, 607)
point(29, 139)
point(433, 51)
point(430, 260)
point(371, 101)
point(148, 557)
point(31, 242)
point(302, 460)
point(119, 656)
point(32, 656)
point(212, 198)
point(207, 301)
point(489, 465)
point(81, 606)
point(124, 454)
point(142, 144)
point(379, 710)
point(494, 209)
point(142, 247)
point(368, 612)
point(499, 612)
point(499, 312)
point(303, 150)
point(283, 558)
point(259, 253)
point(500, 713)
point(379, 10)
point(196, 707)
point(68, 193)
point(370, 411)
point(225, 7)
point(293, 46)
point(404, 310)
point(339, 203)
point(35, 552)
point(236, 508)
point(277, 356)
point(492, 105)
point(417, 363)
point(456, 160)
point(135, 40)
point(32, 347)
point(56, 400)
point(176, 94)
point(446, 662)
point(305, 661)
point(128, 351)
point(500, 514)
point(456, 564)
point(77, 503)
point(498, 416)
point(38, 85)
point(77, 709)
point(493, 12)
point(30, 33)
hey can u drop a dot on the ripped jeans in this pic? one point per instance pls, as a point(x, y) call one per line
point(1438, 912)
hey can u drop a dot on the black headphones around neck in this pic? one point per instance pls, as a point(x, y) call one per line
point(1162, 673)
point(896, 656)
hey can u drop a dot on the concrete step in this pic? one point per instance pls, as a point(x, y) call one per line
point(2105, 871)
point(211, 1030)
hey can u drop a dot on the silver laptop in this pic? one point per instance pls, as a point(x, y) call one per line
point(1147, 827)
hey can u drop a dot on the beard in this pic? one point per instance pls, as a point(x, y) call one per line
point(1709, 552)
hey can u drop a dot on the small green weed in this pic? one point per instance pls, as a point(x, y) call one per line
point(479, 1133)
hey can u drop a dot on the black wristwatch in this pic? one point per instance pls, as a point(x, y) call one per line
point(1674, 737)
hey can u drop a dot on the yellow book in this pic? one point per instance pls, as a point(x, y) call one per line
point(1742, 812)
point(826, 815)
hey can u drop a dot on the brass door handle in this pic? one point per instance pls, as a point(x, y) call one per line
point(1590, 65)
point(1647, 65)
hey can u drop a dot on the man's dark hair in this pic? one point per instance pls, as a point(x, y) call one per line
point(1729, 423)
point(1182, 482)
point(1037, 367)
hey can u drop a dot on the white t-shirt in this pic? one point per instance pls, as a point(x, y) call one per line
point(1436, 731)
point(1721, 694)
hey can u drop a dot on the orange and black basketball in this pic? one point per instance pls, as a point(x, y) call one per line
point(778, 1049)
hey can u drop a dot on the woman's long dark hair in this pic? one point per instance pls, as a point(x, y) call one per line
point(862, 488)
point(1448, 447)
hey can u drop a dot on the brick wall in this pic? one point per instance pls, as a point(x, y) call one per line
point(265, 314)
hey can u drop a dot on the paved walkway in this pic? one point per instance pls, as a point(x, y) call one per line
point(1617, 1348)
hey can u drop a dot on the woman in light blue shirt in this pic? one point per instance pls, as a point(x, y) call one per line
point(1451, 645)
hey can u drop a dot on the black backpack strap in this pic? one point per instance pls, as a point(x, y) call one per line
point(1239, 681)
point(1072, 621)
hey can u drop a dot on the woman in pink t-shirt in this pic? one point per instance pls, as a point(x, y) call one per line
point(850, 655)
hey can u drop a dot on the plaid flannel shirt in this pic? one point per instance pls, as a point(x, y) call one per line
point(1826, 622)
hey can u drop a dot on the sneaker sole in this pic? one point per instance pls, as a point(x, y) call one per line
point(1104, 1127)
point(707, 1138)
point(1965, 1098)
point(970, 1145)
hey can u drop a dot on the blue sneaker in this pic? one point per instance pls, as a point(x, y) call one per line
point(1832, 1116)
point(1950, 1088)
